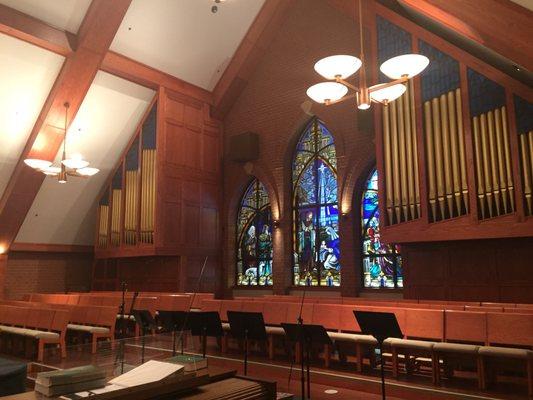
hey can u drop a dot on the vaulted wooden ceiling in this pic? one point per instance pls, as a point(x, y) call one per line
point(107, 58)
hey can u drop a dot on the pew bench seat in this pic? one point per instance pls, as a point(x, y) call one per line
point(37, 334)
point(453, 355)
point(507, 358)
point(412, 349)
point(89, 328)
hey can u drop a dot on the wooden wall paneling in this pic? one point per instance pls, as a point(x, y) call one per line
point(515, 154)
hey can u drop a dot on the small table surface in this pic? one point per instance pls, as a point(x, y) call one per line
point(151, 390)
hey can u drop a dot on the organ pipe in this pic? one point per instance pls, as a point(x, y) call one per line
point(147, 195)
point(115, 216)
point(103, 225)
point(526, 157)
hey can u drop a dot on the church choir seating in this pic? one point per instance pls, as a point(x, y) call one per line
point(445, 334)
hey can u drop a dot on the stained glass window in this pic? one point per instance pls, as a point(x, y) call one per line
point(315, 210)
point(254, 237)
point(382, 263)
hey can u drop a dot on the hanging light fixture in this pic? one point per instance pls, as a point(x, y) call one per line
point(73, 166)
point(336, 69)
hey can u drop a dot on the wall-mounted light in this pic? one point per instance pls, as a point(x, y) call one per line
point(2, 249)
point(275, 224)
point(344, 215)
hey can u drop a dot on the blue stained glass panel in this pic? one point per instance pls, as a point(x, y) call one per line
point(381, 261)
point(254, 237)
point(316, 215)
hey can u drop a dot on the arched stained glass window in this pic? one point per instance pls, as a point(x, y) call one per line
point(315, 209)
point(382, 263)
point(254, 237)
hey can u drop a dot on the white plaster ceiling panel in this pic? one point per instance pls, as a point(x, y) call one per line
point(105, 123)
point(184, 38)
point(27, 74)
point(66, 15)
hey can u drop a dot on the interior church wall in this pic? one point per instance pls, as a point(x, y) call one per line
point(46, 272)
point(274, 105)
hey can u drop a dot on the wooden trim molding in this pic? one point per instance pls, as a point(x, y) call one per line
point(17, 24)
point(495, 25)
point(51, 248)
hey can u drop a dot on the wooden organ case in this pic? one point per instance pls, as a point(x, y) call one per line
point(455, 152)
point(161, 203)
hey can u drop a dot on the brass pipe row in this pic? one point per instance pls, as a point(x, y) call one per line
point(103, 225)
point(147, 195)
point(130, 211)
point(402, 193)
point(446, 163)
point(495, 187)
point(526, 156)
point(115, 216)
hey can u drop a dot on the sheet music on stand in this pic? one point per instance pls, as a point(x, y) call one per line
point(149, 372)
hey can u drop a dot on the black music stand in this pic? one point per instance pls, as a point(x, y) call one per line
point(146, 322)
point(204, 324)
point(307, 335)
point(245, 326)
point(174, 321)
point(382, 326)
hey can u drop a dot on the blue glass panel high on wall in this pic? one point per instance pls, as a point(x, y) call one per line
point(444, 136)
point(381, 261)
point(254, 237)
point(315, 209)
point(524, 128)
point(392, 41)
point(492, 153)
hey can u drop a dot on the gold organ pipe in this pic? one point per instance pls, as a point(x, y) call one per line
point(143, 185)
point(403, 163)
point(527, 166)
point(501, 161)
point(454, 147)
point(150, 202)
point(430, 161)
point(395, 162)
point(462, 157)
point(494, 162)
point(479, 168)
point(415, 144)
point(409, 157)
point(438, 156)
point(486, 166)
point(387, 160)
point(507, 152)
point(530, 140)
point(446, 154)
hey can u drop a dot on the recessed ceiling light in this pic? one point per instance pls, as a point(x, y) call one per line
point(331, 391)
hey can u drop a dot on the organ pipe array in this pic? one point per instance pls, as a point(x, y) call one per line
point(148, 195)
point(400, 156)
point(445, 156)
point(133, 193)
point(526, 156)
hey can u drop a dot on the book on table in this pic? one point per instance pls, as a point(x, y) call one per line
point(58, 390)
point(149, 372)
point(69, 376)
point(190, 362)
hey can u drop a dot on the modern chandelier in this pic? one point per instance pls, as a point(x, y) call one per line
point(73, 166)
point(336, 69)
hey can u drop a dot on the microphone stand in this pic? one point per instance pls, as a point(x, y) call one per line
point(120, 353)
point(186, 319)
point(300, 322)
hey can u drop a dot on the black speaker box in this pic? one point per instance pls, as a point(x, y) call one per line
point(244, 147)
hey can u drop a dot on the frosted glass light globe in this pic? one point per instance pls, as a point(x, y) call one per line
point(36, 163)
point(406, 64)
point(327, 91)
point(388, 94)
point(75, 162)
point(87, 171)
point(342, 65)
point(52, 171)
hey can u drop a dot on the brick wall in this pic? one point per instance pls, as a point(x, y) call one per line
point(39, 272)
point(272, 105)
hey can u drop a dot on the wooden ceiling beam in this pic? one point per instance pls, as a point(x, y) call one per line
point(248, 55)
point(500, 25)
point(32, 30)
point(96, 33)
